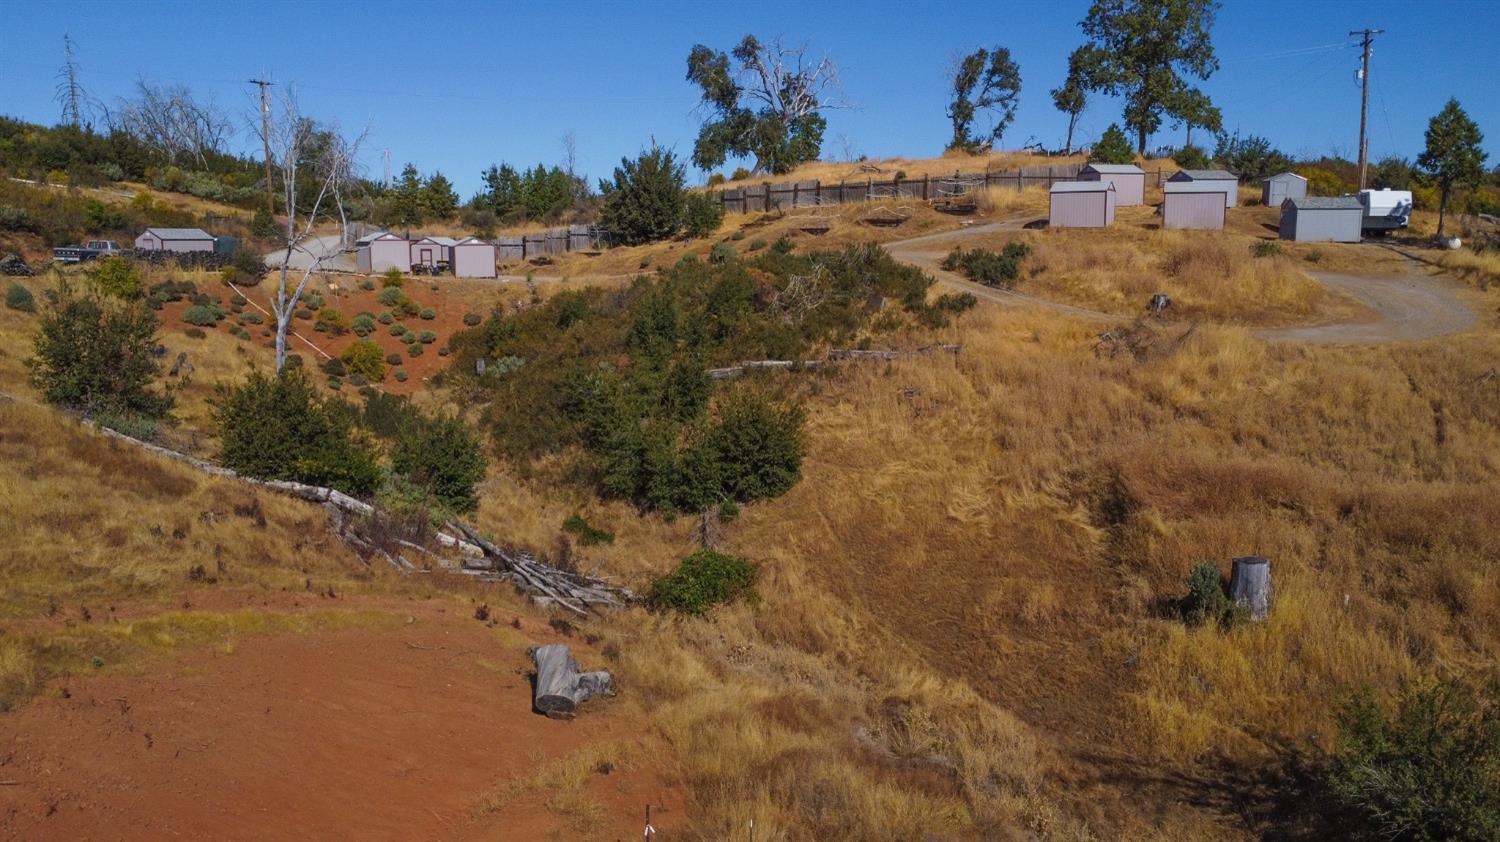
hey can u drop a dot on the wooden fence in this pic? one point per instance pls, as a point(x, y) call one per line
point(584, 238)
point(811, 193)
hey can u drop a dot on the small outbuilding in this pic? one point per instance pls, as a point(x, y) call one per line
point(1129, 181)
point(1228, 182)
point(1333, 219)
point(1280, 187)
point(1194, 205)
point(1081, 204)
point(430, 251)
point(383, 252)
point(175, 239)
point(473, 258)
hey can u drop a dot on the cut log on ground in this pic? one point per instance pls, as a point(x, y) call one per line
point(1250, 585)
point(560, 687)
point(835, 355)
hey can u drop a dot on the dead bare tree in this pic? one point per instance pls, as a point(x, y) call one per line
point(290, 137)
point(70, 94)
point(171, 121)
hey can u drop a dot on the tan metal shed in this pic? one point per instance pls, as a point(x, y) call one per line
point(473, 258)
point(1193, 205)
point(1081, 204)
point(1227, 181)
point(381, 253)
point(1129, 181)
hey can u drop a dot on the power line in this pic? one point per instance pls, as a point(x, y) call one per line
point(265, 136)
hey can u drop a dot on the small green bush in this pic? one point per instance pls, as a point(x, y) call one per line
point(1267, 248)
point(251, 319)
point(116, 276)
point(238, 300)
point(302, 313)
point(955, 302)
point(739, 174)
point(587, 535)
point(335, 367)
point(391, 278)
point(441, 454)
point(392, 359)
point(364, 357)
point(987, 267)
point(757, 244)
point(401, 375)
point(408, 338)
point(427, 337)
point(399, 329)
point(93, 352)
point(202, 315)
point(721, 253)
point(386, 317)
point(1206, 601)
point(414, 350)
point(20, 298)
point(367, 284)
point(472, 319)
point(390, 296)
point(737, 236)
point(362, 325)
point(703, 580)
point(702, 213)
point(428, 313)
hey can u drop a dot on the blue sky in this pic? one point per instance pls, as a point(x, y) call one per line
point(454, 86)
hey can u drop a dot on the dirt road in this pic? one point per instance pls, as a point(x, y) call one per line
point(1410, 306)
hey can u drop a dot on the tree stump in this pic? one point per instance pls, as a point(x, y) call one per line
point(1250, 585)
point(560, 687)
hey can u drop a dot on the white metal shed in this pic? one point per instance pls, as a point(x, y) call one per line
point(1280, 187)
point(473, 258)
point(1129, 181)
point(1227, 181)
point(1081, 204)
point(1330, 219)
point(1193, 205)
point(384, 252)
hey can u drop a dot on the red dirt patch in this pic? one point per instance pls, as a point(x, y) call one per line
point(353, 734)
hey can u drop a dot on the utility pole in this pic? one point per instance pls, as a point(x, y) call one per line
point(265, 136)
point(1367, 36)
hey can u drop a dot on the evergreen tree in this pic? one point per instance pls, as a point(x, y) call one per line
point(1112, 148)
point(644, 201)
point(1453, 157)
point(439, 200)
point(408, 201)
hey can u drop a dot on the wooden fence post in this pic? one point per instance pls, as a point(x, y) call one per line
point(796, 189)
point(926, 183)
point(869, 186)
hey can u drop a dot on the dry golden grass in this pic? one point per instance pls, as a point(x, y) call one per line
point(884, 168)
point(1480, 268)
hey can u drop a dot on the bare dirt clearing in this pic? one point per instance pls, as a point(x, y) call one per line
point(354, 734)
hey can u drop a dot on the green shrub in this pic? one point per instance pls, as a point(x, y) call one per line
point(335, 367)
point(1112, 148)
point(1206, 601)
point(251, 319)
point(703, 580)
point(364, 357)
point(1267, 248)
point(1428, 770)
point(333, 321)
point(94, 353)
point(20, 298)
point(386, 317)
point(390, 296)
point(302, 313)
point(442, 455)
point(987, 267)
point(392, 359)
point(276, 427)
point(357, 379)
point(472, 319)
point(756, 447)
point(737, 236)
point(407, 307)
point(1192, 158)
point(587, 535)
point(401, 375)
point(702, 213)
point(1321, 182)
point(427, 337)
point(367, 284)
point(644, 201)
point(398, 329)
point(137, 427)
point(414, 350)
point(757, 244)
point(721, 253)
point(739, 174)
point(408, 338)
point(955, 302)
point(116, 276)
point(238, 300)
point(362, 325)
point(428, 313)
point(392, 278)
point(202, 315)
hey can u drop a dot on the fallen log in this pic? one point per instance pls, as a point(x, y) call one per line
point(560, 687)
point(835, 355)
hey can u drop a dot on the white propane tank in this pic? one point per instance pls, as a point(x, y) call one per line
point(1451, 243)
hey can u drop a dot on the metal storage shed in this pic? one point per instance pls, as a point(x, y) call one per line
point(384, 252)
point(1081, 204)
point(473, 258)
point(430, 251)
point(1227, 181)
point(175, 239)
point(1129, 181)
point(1319, 219)
point(1280, 187)
point(1193, 204)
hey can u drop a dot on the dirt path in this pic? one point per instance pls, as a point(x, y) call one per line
point(1410, 306)
point(361, 733)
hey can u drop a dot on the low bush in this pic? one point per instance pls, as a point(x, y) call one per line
point(277, 427)
point(955, 302)
point(703, 580)
point(399, 329)
point(1206, 601)
point(367, 285)
point(364, 357)
point(702, 213)
point(1267, 248)
point(414, 350)
point(472, 319)
point(386, 317)
point(390, 296)
point(251, 319)
point(333, 321)
point(401, 375)
point(587, 535)
point(721, 253)
point(391, 278)
point(756, 244)
point(93, 352)
point(334, 366)
point(441, 455)
point(393, 359)
point(362, 325)
point(427, 337)
point(987, 267)
point(1427, 770)
point(116, 276)
point(202, 315)
point(428, 314)
point(20, 298)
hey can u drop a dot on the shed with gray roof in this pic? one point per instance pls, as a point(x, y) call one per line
point(1280, 187)
point(473, 258)
point(1194, 204)
point(1225, 179)
point(175, 239)
point(1081, 204)
point(1129, 181)
point(1319, 219)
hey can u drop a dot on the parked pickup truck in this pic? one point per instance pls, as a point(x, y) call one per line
point(88, 251)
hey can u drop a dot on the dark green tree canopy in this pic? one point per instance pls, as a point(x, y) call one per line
point(1453, 156)
point(1193, 109)
point(644, 201)
point(1112, 148)
point(1141, 49)
point(767, 104)
point(539, 193)
point(1071, 97)
point(984, 80)
point(439, 198)
point(407, 202)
